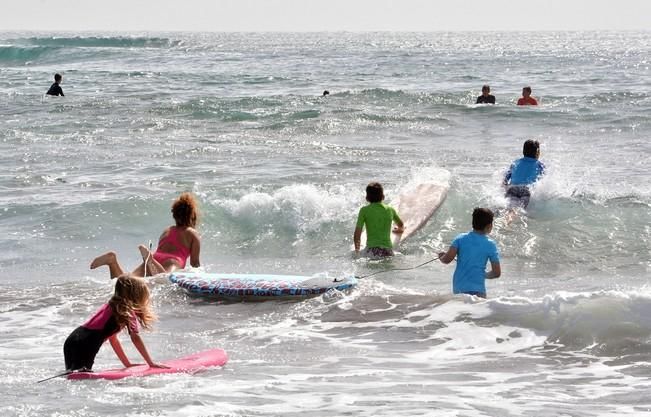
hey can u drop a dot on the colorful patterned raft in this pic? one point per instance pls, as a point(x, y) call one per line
point(259, 287)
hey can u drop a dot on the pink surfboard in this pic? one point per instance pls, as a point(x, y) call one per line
point(189, 364)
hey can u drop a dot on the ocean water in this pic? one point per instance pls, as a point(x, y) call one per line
point(280, 174)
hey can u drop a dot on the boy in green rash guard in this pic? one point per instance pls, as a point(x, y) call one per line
point(378, 218)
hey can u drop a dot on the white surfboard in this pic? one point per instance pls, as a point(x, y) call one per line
point(415, 206)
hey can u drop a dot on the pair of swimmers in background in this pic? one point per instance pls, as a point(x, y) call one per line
point(487, 98)
point(130, 305)
point(473, 249)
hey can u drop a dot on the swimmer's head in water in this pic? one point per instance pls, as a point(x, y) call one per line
point(57, 78)
point(326, 92)
point(486, 89)
point(526, 91)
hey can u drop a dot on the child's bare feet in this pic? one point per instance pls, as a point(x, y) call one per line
point(105, 259)
point(144, 252)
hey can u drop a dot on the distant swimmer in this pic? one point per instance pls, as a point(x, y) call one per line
point(55, 89)
point(486, 96)
point(523, 173)
point(325, 93)
point(526, 99)
point(377, 217)
point(473, 250)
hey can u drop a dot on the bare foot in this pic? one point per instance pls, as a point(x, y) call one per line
point(105, 259)
point(153, 267)
point(144, 252)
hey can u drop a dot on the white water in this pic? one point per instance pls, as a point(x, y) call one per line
point(280, 173)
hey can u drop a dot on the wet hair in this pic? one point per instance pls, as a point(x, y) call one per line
point(486, 87)
point(374, 192)
point(481, 217)
point(531, 148)
point(131, 298)
point(527, 89)
point(57, 77)
point(185, 211)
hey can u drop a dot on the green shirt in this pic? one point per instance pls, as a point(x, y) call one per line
point(378, 218)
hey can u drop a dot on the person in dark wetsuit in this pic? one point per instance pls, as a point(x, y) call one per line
point(523, 173)
point(486, 97)
point(55, 89)
point(128, 307)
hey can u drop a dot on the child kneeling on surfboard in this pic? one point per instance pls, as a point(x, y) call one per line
point(128, 307)
point(473, 250)
point(378, 218)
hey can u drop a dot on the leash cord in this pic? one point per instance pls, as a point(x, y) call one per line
point(55, 376)
point(147, 259)
point(399, 269)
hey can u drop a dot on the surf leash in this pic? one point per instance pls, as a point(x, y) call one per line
point(399, 269)
point(55, 376)
point(147, 259)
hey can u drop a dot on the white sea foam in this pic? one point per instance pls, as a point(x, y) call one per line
point(280, 174)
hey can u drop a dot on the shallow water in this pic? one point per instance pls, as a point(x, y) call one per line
point(280, 173)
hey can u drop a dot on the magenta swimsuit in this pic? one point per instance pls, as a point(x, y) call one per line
point(180, 255)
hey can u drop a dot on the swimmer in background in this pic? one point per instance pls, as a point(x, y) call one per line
point(378, 218)
point(522, 174)
point(176, 244)
point(486, 96)
point(55, 89)
point(473, 250)
point(526, 99)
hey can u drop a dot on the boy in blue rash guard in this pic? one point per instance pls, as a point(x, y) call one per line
point(523, 173)
point(473, 250)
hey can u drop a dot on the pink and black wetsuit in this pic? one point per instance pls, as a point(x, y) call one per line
point(81, 347)
point(180, 255)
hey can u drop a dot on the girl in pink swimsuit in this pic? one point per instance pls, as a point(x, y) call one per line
point(128, 308)
point(176, 244)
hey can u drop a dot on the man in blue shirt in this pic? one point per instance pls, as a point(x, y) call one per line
point(523, 173)
point(473, 250)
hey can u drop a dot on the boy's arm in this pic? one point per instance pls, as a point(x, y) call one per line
point(117, 347)
point(140, 345)
point(447, 257)
point(541, 170)
point(398, 221)
point(401, 226)
point(507, 175)
point(357, 237)
point(495, 271)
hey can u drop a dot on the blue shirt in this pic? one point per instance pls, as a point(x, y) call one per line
point(524, 171)
point(473, 251)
